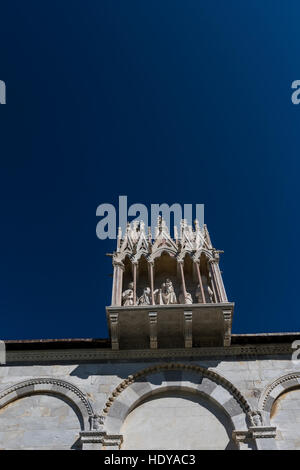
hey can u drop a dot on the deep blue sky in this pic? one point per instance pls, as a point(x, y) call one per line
point(162, 101)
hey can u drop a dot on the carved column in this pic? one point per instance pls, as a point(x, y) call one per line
point(188, 329)
point(197, 263)
point(151, 269)
point(117, 283)
point(153, 329)
point(134, 267)
point(114, 330)
point(113, 296)
point(221, 283)
point(181, 263)
point(216, 273)
point(213, 281)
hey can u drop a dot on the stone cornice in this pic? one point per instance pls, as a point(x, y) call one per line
point(95, 354)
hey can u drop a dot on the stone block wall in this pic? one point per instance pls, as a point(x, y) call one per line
point(249, 402)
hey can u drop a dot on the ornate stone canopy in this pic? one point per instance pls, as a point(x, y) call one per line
point(167, 291)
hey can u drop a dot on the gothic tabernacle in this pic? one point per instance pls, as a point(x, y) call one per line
point(178, 277)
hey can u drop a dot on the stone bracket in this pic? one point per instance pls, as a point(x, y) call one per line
point(153, 329)
point(99, 440)
point(259, 432)
point(114, 329)
point(263, 436)
point(188, 329)
point(184, 326)
point(227, 315)
point(112, 442)
point(91, 440)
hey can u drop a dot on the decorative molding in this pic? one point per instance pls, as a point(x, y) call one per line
point(290, 380)
point(106, 354)
point(91, 437)
point(56, 386)
point(262, 432)
point(112, 441)
point(254, 432)
point(212, 375)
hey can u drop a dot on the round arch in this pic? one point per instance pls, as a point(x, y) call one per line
point(167, 377)
point(53, 386)
point(274, 389)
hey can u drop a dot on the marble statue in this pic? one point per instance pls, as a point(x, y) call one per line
point(158, 297)
point(187, 299)
point(168, 293)
point(96, 421)
point(145, 299)
point(208, 289)
point(256, 418)
point(211, 294)
point(127, 295)
point(198, 295)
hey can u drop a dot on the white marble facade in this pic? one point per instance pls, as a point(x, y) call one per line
point(121, 401)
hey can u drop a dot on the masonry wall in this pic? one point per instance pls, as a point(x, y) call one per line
point(38, 418)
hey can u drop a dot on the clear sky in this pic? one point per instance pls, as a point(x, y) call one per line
point(162, 101)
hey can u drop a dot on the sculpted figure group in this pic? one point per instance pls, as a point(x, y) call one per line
point(165, 295)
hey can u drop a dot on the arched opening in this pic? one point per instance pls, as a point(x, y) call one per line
point(207, 281)
point(190, 280)
point(177, 419)
point(285, 415)
point(40, 421)
point(165, 268)
point(128, 273)
point(143, 278)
